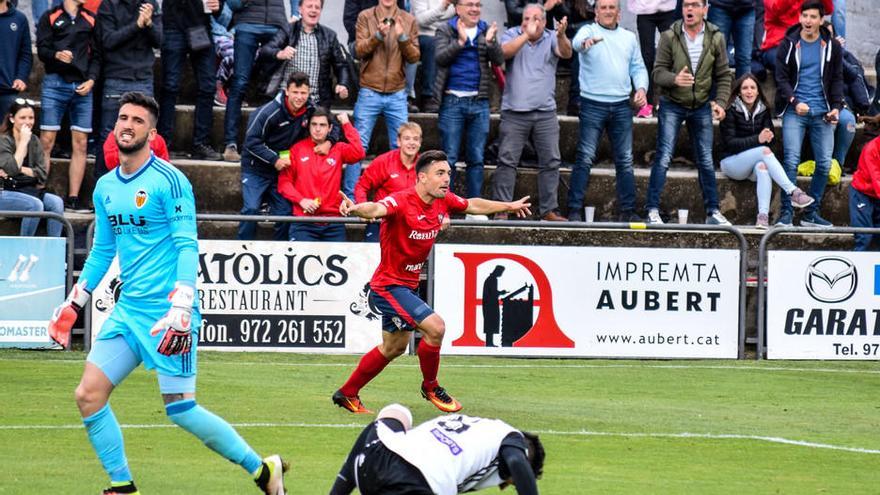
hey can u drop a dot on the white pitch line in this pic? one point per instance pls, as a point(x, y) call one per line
point(31, 293)
point(584, 433)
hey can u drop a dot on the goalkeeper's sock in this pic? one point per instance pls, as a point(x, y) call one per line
point(106, 438)
point(214, 432)
point(369, 366)
point(429, 362)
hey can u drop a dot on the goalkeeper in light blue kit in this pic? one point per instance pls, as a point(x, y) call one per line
point(145, 214)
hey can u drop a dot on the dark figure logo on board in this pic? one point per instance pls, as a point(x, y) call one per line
point(511, 316)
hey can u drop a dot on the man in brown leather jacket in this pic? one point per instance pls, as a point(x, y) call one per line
point(387, 39)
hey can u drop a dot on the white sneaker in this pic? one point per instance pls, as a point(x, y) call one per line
point(654, 217)
point(272, 483)
point(716, 218)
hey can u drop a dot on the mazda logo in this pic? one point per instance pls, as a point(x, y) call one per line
point(831, 279)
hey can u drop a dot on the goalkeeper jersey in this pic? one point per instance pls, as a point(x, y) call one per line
point(148, 220)
point(455, 453)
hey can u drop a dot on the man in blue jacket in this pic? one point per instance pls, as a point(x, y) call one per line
point(15, 54)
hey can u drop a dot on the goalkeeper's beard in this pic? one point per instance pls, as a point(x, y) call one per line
point(131, 148)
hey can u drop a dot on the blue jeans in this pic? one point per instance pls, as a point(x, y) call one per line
point(844, 135)
point(113, 91)
point(16, 201)
point(370, 104)
point(838, 18)
point(864, 211)
point(328, 232)
point(595, 117)
point(468, 118)
point(745, 165)
point(253, 188)
point(741, 25)
point(429, 65)
point(58, 96)
point(701, 132)
point(794, 127)
point(245, 48)
point(175, 48)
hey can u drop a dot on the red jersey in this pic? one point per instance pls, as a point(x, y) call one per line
point(318, 177)
point(386, 175)
point(409, 231)
point(866, 180)
point(111, 150)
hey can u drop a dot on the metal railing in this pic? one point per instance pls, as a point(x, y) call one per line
point(762, 270)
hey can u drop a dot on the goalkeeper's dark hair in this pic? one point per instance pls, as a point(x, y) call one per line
point(141, 100)
point(535, 453)
point(427, 158)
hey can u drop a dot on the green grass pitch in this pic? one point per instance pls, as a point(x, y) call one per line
point(609, 427)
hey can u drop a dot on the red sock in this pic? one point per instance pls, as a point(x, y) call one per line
point(429, 361)
point(370, 365)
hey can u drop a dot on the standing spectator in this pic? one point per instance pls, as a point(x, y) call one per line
point(736, 19)
point(311, 48)
point(272, 130)
point(838, 18)
point(864, 194)
point(15, 54)
point(857, 97)
point(779, 16)
point(256, 23)
point(554, 9)
point(809, 96)
point(187, 32)
point(390, 172)
point(387, 39)
point(652, 16)
point(224, 49)
point(746, 134)
point(129, 31)
point(352, 10)
point(532, 53)
point(611, 69)
point(22, 161)
point(312, 180)
point(466, 45)
point(430, 15)
point(68, 46)
point(691, 65)
point(581, 12)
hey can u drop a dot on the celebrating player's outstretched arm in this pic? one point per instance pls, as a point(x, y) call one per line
point(367, 210)
point(480, 206)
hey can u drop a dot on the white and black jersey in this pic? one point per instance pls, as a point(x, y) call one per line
point(454, 453)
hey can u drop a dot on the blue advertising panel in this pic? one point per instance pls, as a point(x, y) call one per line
point(31, 286)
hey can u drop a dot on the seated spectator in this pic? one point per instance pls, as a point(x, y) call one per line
point(864, 194)
point(187, 33)
point(857, 96)
point(809, 96)
point(387, 39)
point(779, 17)
point(466, 45)
point(312, 180)
point(736, 20)
point(430, 14)
point(23, 170)
point(311, 48)
point(528, 107)
point(272, 130)
point(256, 23)
point(611, 68)
point(693, 77)
point(746, 134)
point(652, 17)
point(111, 150)
point(15, 54)
point(67, 44)
point(390, 172)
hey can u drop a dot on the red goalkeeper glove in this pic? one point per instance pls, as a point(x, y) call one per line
point(177, 338)
point(65, 315)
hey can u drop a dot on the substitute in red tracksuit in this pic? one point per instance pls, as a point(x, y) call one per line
point(390, 172)
point(312, 181)
point(864, 193)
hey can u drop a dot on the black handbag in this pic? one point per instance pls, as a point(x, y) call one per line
point(19, 182)
point(199, 38)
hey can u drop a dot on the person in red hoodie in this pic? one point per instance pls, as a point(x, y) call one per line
point(312, 180)
point(864, 194)
point(111, 150)
point(779, 15)
point(390, 172)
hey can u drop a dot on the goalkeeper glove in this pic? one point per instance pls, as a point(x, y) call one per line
point(65, 315)
point(177, 338)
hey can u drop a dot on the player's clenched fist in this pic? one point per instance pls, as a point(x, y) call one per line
point(177, 338)
point(65, 315)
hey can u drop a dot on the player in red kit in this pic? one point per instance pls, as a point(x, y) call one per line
point(411, 221)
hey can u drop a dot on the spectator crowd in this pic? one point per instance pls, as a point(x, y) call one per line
point(691, 63)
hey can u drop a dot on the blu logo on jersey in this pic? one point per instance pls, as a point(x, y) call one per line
point(140, 198)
